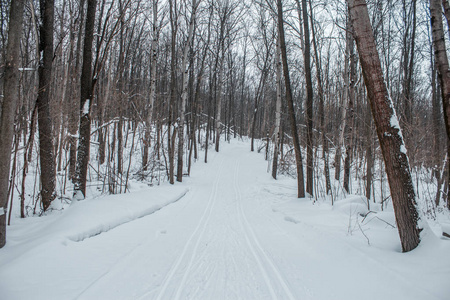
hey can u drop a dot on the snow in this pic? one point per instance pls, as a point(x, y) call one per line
point(86, 107)
point(394, 121)
point(229, 231)
point(403, 149)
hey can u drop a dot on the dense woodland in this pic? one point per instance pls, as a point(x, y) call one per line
point(98, 93)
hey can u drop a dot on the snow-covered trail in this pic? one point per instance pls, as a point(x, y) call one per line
point(236, 234)
point(206, 249)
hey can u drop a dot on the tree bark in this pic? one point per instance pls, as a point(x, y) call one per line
point(290, 102)
point(174, 28)
point(350, 113)
point(46, 155)
point(387, 127)
point(8, 107)
point(87, 86)
point(74, 116)
point(309, 103)
point(277, 129)
point(184, 93)
point(152, 96)
point(443, 69)
point(321, 107)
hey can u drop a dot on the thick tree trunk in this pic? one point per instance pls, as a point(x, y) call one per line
point(443, 69)
point(388, 130)
point(290, 101)
point(74, 114)
point(8, 106)
point(86, 87)
point(46, 155)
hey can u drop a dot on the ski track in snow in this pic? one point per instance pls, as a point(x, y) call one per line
point(248, 230)
point(200, 228)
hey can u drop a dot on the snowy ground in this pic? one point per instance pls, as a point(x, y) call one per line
point(227, 232)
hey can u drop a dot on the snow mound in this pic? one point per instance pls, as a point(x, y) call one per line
point(351, 205)
point(87, 218)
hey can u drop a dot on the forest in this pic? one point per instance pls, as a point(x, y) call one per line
point(347, 97)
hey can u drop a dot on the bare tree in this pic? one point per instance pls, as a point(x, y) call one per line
point(440, 54)
point(309, 102)
point(154, 57)
point(290, 102)
point(86, 100)
point(46, 155)
point(388, 129)
point(8, 106)
point(184, 93)
point(321, 104)
point(350, 86)
point(277, 130)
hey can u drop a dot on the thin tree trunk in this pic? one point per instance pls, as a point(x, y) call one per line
point(388, 130)
point(350, 113)
point(321, 106)
point(277, 130)
point(184, 93)
point(259, 92)
point(290, 101)
point(219, 98)
point(152, 96)
point(309, 104)
point(174, 29)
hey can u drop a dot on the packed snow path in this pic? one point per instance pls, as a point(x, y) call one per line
point(235, 234)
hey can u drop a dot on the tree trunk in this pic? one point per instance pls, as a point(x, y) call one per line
point(277, 129)
point(86, 87)
point(321, 107)
point(174, 28)
point(46, 154)
point(443, 69)
point(219, 98)
point(74, 116)
point(259, 92)
point(152, 96)
point(8, 106)
point(388, 130)
point(290, 101)
point(184, 93)
point(350, 112)
point(309, 104)
point(369, 157)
